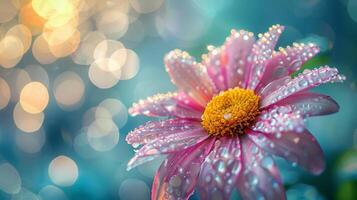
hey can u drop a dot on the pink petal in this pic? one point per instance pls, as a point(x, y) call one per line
point(213, 63)
point(170, 104)
point(311, 104)
point(279, 119)
point(156, 129)
point(220, 170)
point(299, 148)
point(273, 86)
point(260, 177)
point(190, 76)
point(168, 144)
point(308, 79)
point(287, 61)
point(235, 58)
point(177, 176)
point(262, 51)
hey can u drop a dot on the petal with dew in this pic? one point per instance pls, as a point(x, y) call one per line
point(260, 177)
point(287, 61)
point(261, 53)
point(299, 148)
point(279, 119)
point(235, 57)
point(153, 130)
point(190, 76)
point(177, 175)
point(212, 61)
point(304, 81)
point(311, 104)
point(220, 169)
point(169, 104)
point(168, 144)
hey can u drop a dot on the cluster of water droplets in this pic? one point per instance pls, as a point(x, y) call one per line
point(189, 76)
point(258, 176)
point(162, 137)
point(220, 169)
point(279, 119)
point(169, 104)
point(304, 81)
point(261, 52)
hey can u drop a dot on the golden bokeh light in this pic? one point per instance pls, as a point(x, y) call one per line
point(144, 6)
point(25, 121)
point(101, 77)
point(112, 23)
point(131, 65)
point(17, 79)
point(31, 19)
point(5, 94)
point(8, 10)
point(68, 90)
point(41, 51)
point(11, 51)
point(85, 52)
point(34, 97)
point(23, 34)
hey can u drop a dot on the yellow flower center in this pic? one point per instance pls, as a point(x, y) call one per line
point(230, 112)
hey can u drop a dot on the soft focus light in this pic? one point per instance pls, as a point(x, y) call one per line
point(63, 171)
point(31, 19)
point(51, 192)
point(5, 94)
point(38, 74)
point(112, 23)
point(103, 134)
point(180, 21)
point(30, 143)
point(106, 48)
point(117, 110)
point(85, 52)
point(347, 166)
point(7, 10)
point(81, 145)
point(34, 97)
point(100, 75)
point(23, 34)
point(10, 181)
point(144, 6)
point(11, 51)
point(68, 89)
point(17, 79)
point(41, 51)
point(134, 189)
point(25, 121)
point(303, 191)
point(25, 194)
point(131, 66)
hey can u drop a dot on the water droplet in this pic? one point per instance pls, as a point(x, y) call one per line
point(227, 116)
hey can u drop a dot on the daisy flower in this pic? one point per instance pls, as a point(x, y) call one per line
point(232, 113)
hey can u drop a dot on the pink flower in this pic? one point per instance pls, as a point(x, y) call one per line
point(231, 113)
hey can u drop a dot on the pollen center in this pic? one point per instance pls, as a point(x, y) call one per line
point(230, 112)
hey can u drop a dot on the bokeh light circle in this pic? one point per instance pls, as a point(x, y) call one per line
point(134, 189)
point(5, 94)
point(30, 143)
point(25, 121)
point(34, 97)
point(68, 89)
point(51, 192)
point(10, 181)
point(63, 171)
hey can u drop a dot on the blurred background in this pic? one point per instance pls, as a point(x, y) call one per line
point(69, 70)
